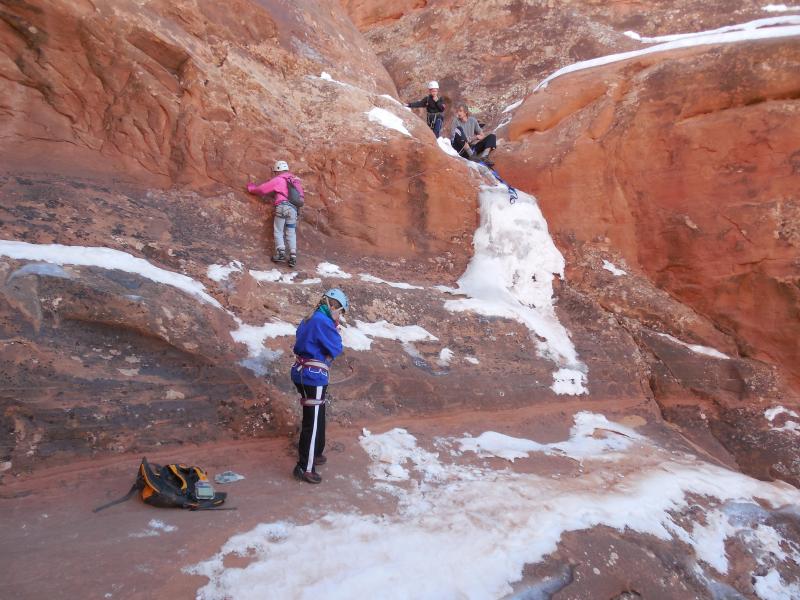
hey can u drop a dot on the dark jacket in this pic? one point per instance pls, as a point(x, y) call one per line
point(429, 104)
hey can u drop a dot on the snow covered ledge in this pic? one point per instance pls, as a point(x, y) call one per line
point(511, 275)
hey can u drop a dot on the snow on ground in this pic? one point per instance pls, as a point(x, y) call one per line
point(472, 360)
point(705, 350)
point(391, 450)
point(466, 531)
point(326, 269)
point(274, 276)
point(222, 272)
point(761, 29)
point(445, 356)
point(613, 269)
point(154, 528)
point(511, 275)
point(582, 443)
point(387, 119)
point(360, 337)
point(402, 286)
point(107, 258)
point(779, 8)
point(789, 425)
point(772, 587)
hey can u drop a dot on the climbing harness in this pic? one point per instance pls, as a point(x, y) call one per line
point(431, 118)
point(301, 361)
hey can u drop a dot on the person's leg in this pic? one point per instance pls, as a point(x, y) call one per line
point(291, 235)
point(437, 126)
point(460, 144)
point(306, 427)
point(320, 445)
point(278, 224)
point(486, 145)
point(309, 432)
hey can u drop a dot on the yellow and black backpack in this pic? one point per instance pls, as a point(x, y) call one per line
point(172, 486)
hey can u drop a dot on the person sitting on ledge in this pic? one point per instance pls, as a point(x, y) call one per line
point(468, 138)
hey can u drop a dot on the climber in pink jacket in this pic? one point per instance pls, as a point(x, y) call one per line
point(286, 213)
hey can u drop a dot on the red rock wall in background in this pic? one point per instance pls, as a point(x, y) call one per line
point(200, 94)
point(135, 126)
point(491, 54)
point(687, 163)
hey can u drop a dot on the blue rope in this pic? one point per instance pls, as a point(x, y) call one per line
point(512, 193)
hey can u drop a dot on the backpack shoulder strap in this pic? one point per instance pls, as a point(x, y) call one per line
point(137, 485)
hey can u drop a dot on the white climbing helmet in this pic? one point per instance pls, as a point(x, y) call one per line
point(280, 165)
point(433, 85)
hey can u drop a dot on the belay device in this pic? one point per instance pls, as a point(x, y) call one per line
point(173, 486)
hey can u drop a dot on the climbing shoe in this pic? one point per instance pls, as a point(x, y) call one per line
point(308, 476)
point(280, 256)
point(292, 260)
point(320, 460)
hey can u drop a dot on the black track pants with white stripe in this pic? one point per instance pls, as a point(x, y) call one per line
point(312, 433)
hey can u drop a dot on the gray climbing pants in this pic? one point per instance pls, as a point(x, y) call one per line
point(285, 223)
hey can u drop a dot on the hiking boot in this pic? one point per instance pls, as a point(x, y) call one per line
point(292, 260)
point(280, 256)
point(488, 162)
point(308, 476)
point(320, 460)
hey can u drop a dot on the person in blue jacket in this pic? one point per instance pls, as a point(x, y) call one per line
point(317, 344)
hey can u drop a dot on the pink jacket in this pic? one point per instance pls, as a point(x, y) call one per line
point(278, 185)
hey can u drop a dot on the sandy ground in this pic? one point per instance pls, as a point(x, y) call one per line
point(55, 547)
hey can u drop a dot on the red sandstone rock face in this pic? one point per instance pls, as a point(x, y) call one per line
point(199, 98)
point(490, 54)
point(685, 163)
point(368, 13)
point(177, 95)
point(166, 93)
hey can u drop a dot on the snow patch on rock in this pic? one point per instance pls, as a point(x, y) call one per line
point(222, 272)
point(387, 119)
point(360, 336)
point(775, 27)
point(326, 269)
point(613, 269)
point(696, 348)
point(106, 258)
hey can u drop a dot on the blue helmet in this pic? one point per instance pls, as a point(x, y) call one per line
point(339, 296)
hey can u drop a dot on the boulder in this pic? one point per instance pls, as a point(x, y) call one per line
point(684, 162)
